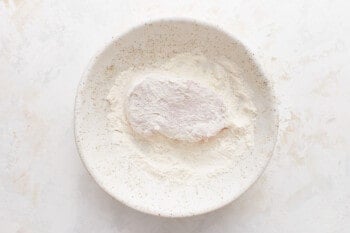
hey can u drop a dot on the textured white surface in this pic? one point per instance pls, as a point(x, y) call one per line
point(303, 46)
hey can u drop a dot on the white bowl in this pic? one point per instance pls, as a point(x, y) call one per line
point(146, 44)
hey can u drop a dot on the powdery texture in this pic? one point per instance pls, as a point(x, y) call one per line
point(189, 160)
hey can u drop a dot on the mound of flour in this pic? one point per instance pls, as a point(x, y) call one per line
point(183, 119)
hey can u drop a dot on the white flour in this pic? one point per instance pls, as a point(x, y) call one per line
point(168, 151)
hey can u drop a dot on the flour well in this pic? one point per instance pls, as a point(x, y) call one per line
point(182, 119)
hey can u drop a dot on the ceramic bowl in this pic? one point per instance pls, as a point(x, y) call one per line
point(143, 45)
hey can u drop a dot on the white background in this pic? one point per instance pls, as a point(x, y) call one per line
point(302, 46)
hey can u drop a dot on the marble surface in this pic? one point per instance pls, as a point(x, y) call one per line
point(303, 47)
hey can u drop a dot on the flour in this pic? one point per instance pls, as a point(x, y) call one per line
point(182, 141)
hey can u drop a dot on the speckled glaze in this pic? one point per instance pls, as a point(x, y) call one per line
point(141, 46)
